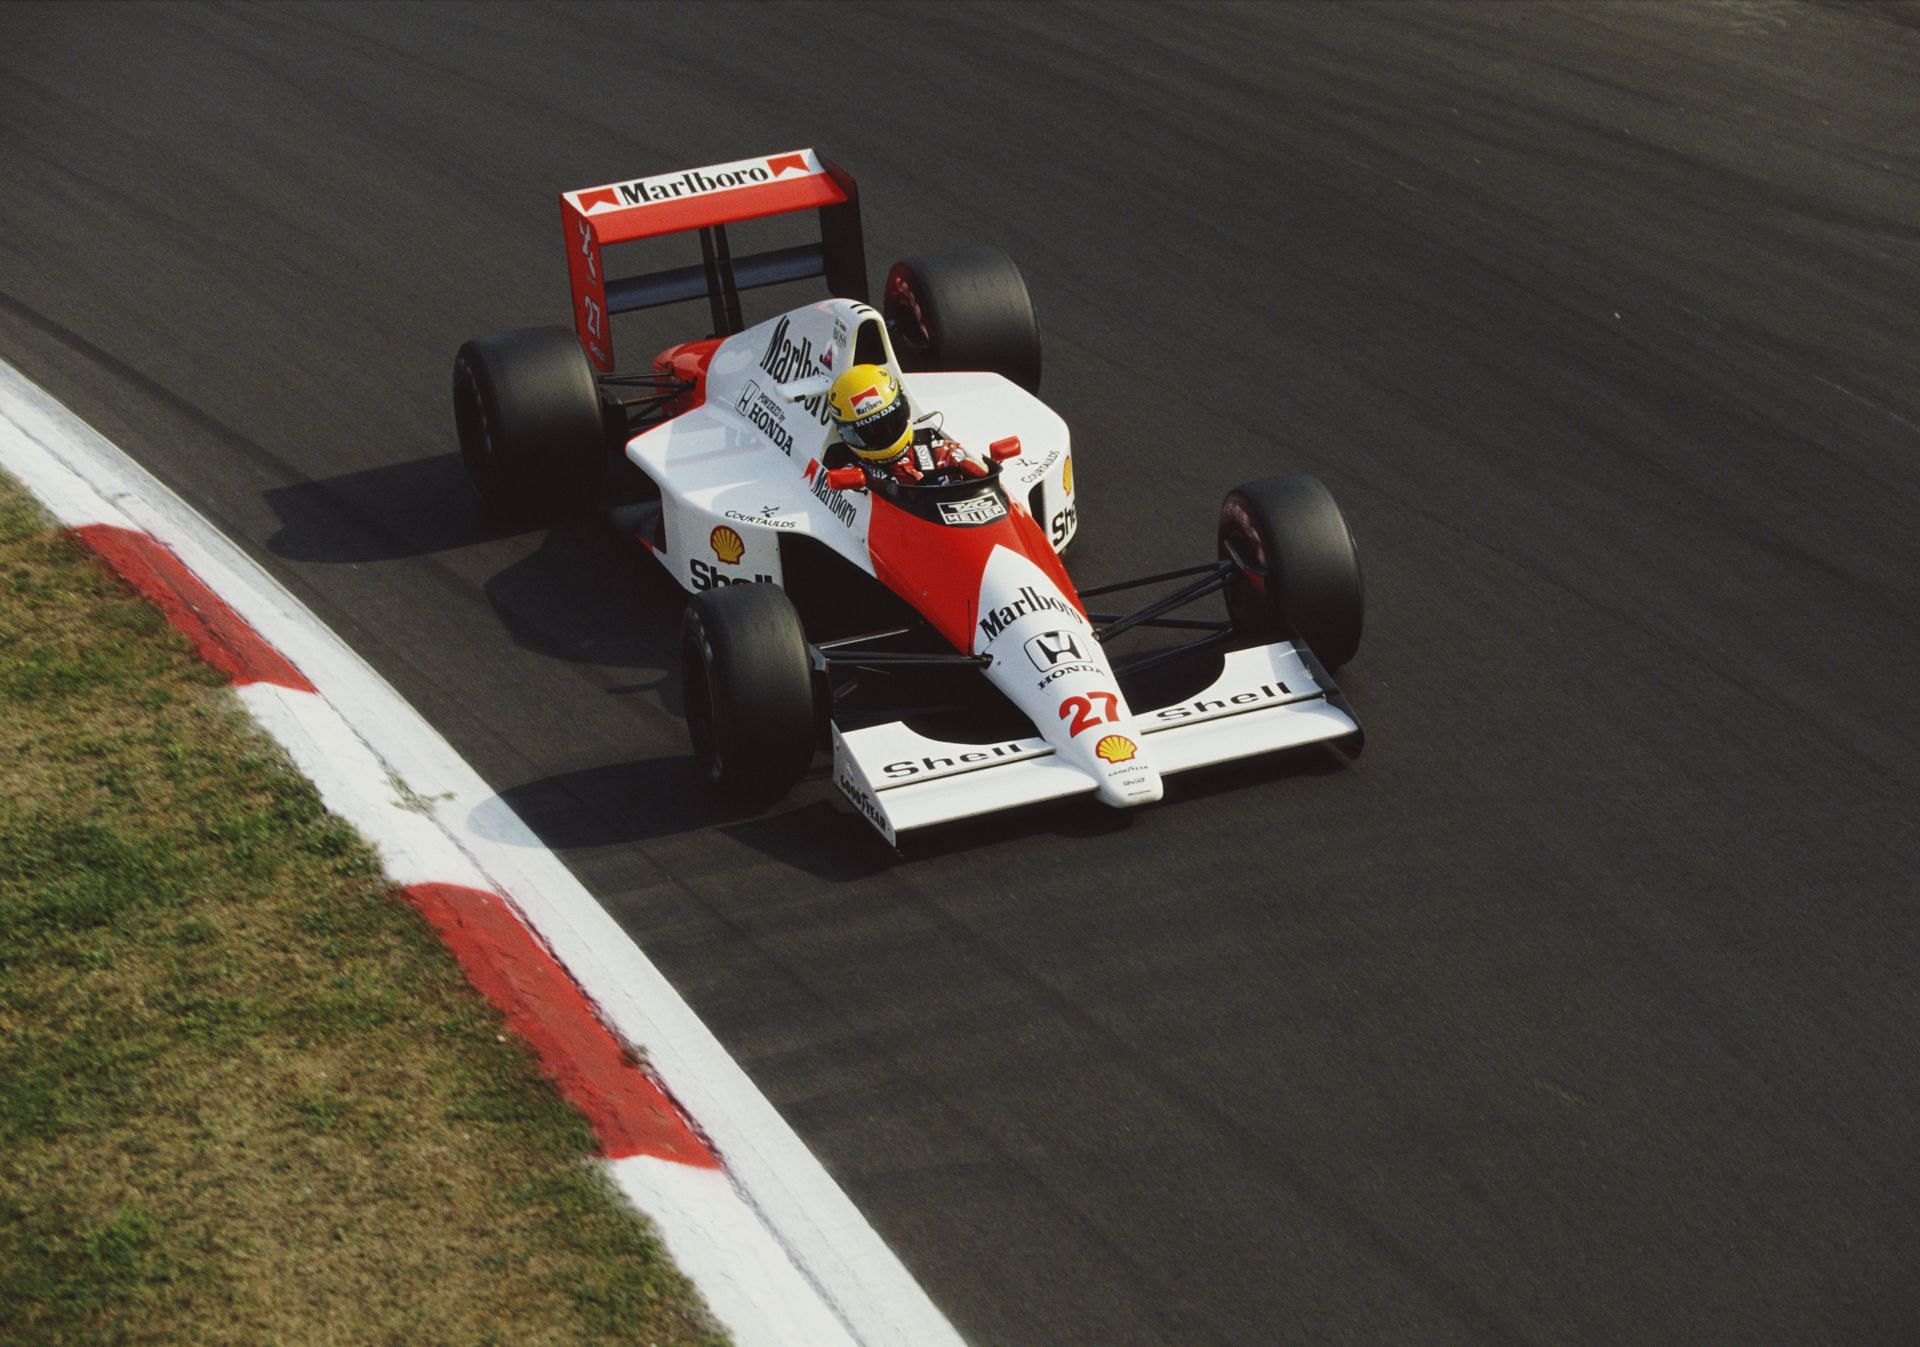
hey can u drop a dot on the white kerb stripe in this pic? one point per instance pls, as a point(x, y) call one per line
point(379, 764)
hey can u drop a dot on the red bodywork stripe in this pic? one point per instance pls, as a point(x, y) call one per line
point(937, 567)
point(630, 1112)
point(224, 639)
point(688, 360)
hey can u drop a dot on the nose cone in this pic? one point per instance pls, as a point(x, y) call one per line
point(1046, 659)
point(1126, 776)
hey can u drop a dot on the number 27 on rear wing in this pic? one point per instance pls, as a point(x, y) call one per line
point(708, 200)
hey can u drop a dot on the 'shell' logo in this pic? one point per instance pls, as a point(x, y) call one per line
point(727, 545)
point(1114, 748)
point(1066, 475)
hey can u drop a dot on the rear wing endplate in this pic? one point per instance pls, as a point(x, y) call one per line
point(708, 200)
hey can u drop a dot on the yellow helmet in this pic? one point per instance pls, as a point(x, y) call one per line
point(871, 413)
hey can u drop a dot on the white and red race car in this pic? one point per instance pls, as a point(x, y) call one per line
point(926, 633)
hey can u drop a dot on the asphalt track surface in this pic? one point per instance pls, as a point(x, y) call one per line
point(1581, 1008)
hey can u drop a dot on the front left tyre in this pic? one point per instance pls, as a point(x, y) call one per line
point(749, 691)
point(527, 409)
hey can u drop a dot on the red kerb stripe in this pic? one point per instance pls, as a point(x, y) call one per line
point(225, 639)
point(630, 1112)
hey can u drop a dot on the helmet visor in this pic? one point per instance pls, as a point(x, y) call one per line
point(880, 431)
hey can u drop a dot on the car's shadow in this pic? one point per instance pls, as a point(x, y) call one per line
point(627, 803)
point(410, 509)
point(582, 595)
point(630, 803)
point(1084, 817)
point(587, 596)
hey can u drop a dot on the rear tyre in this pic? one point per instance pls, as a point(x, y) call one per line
point(1298, 571)
point(967, 309)
point(749, 691)
point(527, 408)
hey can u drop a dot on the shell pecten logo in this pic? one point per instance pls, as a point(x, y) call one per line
point(1066, 475)
point(726, 545)
point(1115, 748)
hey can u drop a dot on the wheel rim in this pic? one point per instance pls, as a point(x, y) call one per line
point(907, 321)
point(1245, 590)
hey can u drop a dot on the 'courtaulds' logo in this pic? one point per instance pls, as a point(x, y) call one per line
point(1031, 600)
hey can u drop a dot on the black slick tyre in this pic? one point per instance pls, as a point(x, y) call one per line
point(1297, 570)
point(749, 691)
point(967, 309)
point(527, 409)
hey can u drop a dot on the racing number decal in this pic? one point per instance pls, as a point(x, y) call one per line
point(593, 314)
point(1084, 717)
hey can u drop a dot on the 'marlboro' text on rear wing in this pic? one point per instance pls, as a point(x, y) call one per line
point(709, 199)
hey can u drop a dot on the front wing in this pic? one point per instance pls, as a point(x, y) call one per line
point(1266, 699)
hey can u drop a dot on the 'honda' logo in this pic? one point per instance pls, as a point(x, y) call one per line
point(1053, 647)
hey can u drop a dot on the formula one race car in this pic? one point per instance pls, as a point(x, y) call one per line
point(925, 632)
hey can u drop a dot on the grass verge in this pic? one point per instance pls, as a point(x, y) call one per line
point(245, 1095)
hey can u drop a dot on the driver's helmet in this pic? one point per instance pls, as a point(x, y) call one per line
point(871, 413)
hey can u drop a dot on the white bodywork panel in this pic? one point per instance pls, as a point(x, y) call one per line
point(744, 466)
point(978, 409)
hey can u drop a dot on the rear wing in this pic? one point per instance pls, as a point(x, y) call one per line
point(708, 200)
